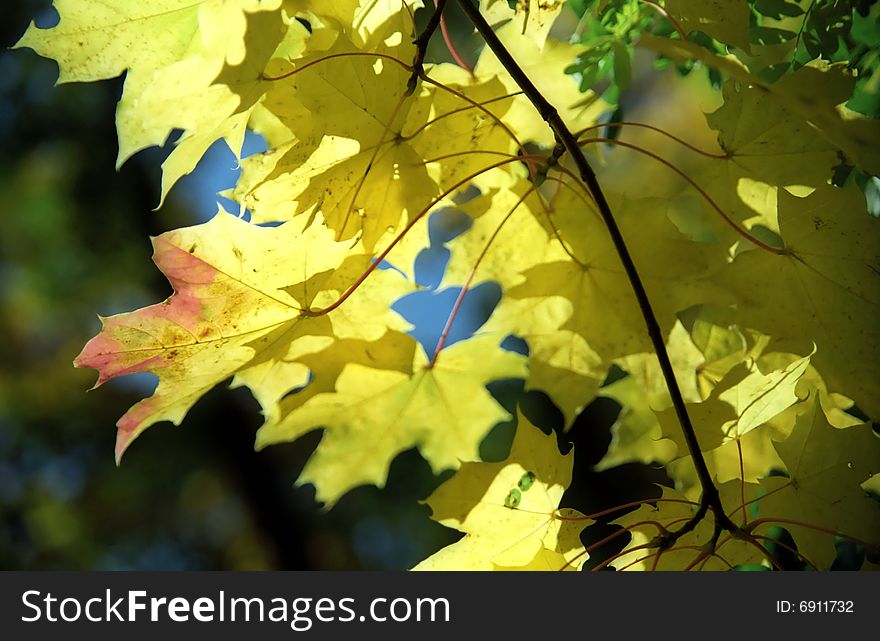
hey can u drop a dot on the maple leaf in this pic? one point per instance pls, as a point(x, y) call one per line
point(338, 15)
point(590, 317)
point(358, 20)
point(462, 113)
point(530, 18)
point(836, 406)
point(375, 172)
point(545, 66)
point(722, 344)
point(814, 93)
point(242, 295)
point(355, 166)
point(450, 391)
point(724, 347)
point(724, 20)
point(767, 147)
point(738, 422)
point(825, 466)
point(738, 434)
point(96, 39)
point(745, 399)
point(274, 385)
point(636, 435)
point(823, 289)
point(647, 429)
point(509, 511)
point(209, 96)
point(508, 216)
point(192, 66)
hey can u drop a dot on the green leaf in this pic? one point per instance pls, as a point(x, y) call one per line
point(724, 20)
point(622, 68)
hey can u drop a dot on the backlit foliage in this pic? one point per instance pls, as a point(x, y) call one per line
point(760, 259)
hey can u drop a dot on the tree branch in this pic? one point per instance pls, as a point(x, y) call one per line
point(421, 43)
point(565, 139)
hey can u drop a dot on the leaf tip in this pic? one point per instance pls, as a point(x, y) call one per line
point(97, 354)
point(130, 425)
point(122, 442)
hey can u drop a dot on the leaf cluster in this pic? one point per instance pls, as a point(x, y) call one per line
point(758, 257)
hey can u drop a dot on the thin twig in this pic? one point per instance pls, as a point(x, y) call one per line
point(644, 125)
point(421, 43)
point(779, 251)
point(663, 12)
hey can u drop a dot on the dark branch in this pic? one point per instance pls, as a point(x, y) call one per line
point(711, 498)
point(421, 43)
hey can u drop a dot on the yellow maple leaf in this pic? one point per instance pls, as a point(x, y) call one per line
point(636, 435)
point(767, 147)
point(96, 39)
point(189, 65)
point(826, 467)
point(355, 166)
point(405, 404)
point(532, 19)
point(509, 216)
point(745, 399)
point(823, 289)
point(509, 511)
point(814, 93)
point(242, 297)
point(578, 313)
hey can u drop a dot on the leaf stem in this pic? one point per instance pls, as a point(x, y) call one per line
point(441, 342)
point(759, 498)
point(623, 506)
point(663, 12)
point(786, 546)
point(810, 526)
point(435, 119)
point(450, 45)
point(779, 251)
point(333, 56)
point(644, 125)
point(378, 260)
